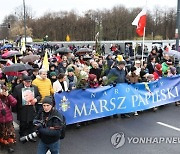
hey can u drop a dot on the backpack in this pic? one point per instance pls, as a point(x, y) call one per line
point(63, 129)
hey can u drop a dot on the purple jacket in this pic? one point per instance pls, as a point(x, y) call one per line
point(8, 102)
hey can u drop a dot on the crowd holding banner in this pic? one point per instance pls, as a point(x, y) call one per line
point(89, 104)
point(85, 84)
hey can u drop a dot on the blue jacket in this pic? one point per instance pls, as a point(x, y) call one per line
point(120, 74)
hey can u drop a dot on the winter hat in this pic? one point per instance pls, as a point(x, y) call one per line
point(70, 69)
point(158, 66)
point(121, 63)
point(53, 74)
point(169, 62)
point(92, 77)
point(27, 78)
point(47, 100)
point(173, 70)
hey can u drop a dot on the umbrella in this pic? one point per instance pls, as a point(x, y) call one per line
point(139, 57)
point(63, 50)
point(83, 51)
point(11, 54)
point(87, 57)
point(30, 58)
point(3, 61)
point(16, 68)
point(6, 46)
point(174, 53)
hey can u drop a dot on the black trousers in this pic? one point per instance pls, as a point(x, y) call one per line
point(25, 128)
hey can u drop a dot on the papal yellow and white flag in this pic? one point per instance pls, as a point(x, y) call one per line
point(68, 38)
point(23, 47)
point(45, 64)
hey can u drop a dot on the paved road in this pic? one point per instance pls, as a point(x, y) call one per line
point(96, 137)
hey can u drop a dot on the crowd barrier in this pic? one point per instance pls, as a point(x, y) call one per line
point(82, 105)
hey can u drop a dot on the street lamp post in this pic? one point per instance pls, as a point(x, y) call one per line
point(177, 26)
point(24, 21)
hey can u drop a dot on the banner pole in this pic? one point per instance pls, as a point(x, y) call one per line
point(143, 44)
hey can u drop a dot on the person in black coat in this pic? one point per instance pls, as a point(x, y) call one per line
point(49, 126)
point(26, 110)
point(96, 70)
point(151, 65)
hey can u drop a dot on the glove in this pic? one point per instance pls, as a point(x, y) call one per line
point(38, 124)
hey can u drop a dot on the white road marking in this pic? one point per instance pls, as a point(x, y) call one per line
point(169, 126)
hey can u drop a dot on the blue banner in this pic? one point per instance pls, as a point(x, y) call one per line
point(82, 105)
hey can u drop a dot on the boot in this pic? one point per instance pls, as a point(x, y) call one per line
point(10, 148)
point(177, 103)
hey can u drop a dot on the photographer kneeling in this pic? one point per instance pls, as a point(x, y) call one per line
point(49, 126)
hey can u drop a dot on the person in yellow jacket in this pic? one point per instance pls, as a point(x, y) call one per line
point(44, 86)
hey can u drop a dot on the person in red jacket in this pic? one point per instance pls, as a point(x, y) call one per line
point(7, 131)
point(157, 71)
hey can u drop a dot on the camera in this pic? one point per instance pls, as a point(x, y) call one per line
point(28, 137)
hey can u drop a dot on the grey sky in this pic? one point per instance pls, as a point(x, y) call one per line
point(42, 6)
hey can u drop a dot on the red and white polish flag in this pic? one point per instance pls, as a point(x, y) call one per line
point(140, 22)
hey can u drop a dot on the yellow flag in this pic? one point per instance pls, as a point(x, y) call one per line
point(68, 38)
point(45, 64)
point(15, 59)
point(23, 48)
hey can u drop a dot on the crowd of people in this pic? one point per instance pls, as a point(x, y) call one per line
point(68, 71)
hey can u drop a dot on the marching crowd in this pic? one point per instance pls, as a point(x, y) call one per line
point(67, 72)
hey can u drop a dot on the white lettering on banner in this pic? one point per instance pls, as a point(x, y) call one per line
point(147, 97)
point(134, 99)
point(103, 106)
point(112, 103)
point(121, 103)
point(157, 96)
point(163, 94)
point(118, 103)
point(115, 91)
point(83, 110)
point(93, 108)
point(141, 101)
point(105, 93)
point(127, 90)
point(93, 95)
point(170, 94)
point(177, 91)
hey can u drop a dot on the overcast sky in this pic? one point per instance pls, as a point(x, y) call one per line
point(39, 7)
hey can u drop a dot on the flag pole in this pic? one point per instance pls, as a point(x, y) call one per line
point(143, 45)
